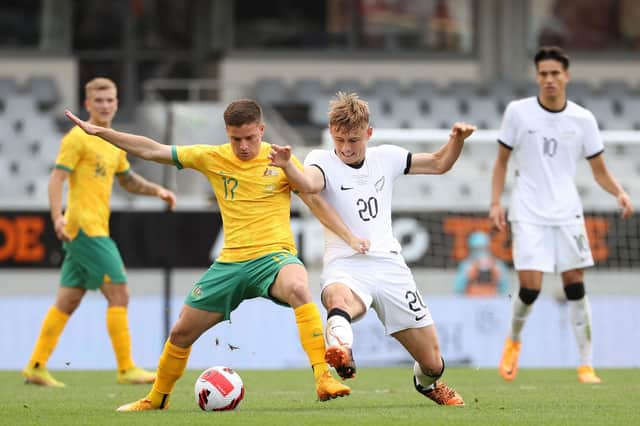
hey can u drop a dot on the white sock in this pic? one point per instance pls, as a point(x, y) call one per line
point(424, 380)
point(520, 314)
point(580, 316)
point(338, 331)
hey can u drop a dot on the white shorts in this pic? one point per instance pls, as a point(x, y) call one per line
point(550, 248)
point(384, 283)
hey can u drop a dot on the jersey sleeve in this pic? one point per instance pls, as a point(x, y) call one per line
point(71, 150)
point(397, 159)
point(123, 164)
point(592, 139)
point(313, 158)
point(189, 156)
point(509, 127)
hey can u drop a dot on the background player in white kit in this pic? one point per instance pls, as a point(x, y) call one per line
point(358, 181)
point(548, 134)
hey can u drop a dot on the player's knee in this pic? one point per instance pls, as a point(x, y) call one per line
point(574, 291)
point(342, 297)
point(181, 336)
point(528, 296)
point(118, 300)
point(297, 292)
point(433, 369)
point(68, 304)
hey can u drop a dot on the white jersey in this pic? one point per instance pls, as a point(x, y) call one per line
point(546, 147)
point(361, 196)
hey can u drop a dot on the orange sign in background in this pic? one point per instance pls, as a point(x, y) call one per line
point(20, 238)
point(27, 238)
point(459, 227)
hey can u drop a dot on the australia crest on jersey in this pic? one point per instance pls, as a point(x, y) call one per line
point(196, 292)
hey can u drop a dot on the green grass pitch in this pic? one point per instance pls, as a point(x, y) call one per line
point(379, 397)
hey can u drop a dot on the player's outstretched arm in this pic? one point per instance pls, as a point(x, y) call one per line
point(136, 184)
point(330, 218)
point(140, 146)
point(308, 180)
point(610, 184)
point(441, 161)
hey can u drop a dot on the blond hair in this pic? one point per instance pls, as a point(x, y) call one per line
point(99, 83)
point(348, 112)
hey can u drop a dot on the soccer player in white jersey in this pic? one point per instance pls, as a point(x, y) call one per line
point(548, 134)
point(358, 181)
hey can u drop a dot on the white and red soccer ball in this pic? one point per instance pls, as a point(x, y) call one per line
point(219, 389)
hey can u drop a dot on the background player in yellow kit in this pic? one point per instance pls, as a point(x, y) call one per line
point(259, 255)
point(92, 260)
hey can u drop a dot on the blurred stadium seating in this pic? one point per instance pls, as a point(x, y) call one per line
point(30, 134)
point(29, 137)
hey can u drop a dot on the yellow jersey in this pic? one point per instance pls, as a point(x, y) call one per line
point(254, 199)
point(92, 164)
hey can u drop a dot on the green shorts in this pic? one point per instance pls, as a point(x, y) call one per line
point(226, 284)
point(91, 261)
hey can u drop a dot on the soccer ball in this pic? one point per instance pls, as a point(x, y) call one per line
point(218, 389)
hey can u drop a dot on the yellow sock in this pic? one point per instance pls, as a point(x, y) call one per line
point(311, 336)
point(52, 326)
point(118, 328)
point(173, 362)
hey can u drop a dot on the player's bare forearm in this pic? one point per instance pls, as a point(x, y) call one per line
point(444, 158)
point(450, 152)
point(609, 183)
point(296, 178)
point(327, 215)
point(603, 177)
point(499, 175)
point(302, 181)
point(140, 146)
point(136, 184)
point(56, 185)
point(330, 219)
point(438, 162)
point(496, 212)
point(497, 183)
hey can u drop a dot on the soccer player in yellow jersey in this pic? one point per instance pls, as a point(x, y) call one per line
point(259, 255)
point(92, 260)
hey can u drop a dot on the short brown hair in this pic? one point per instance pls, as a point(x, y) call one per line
point(99, 83)
point(241, 112)
point(552, 52)
point(348, 112)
